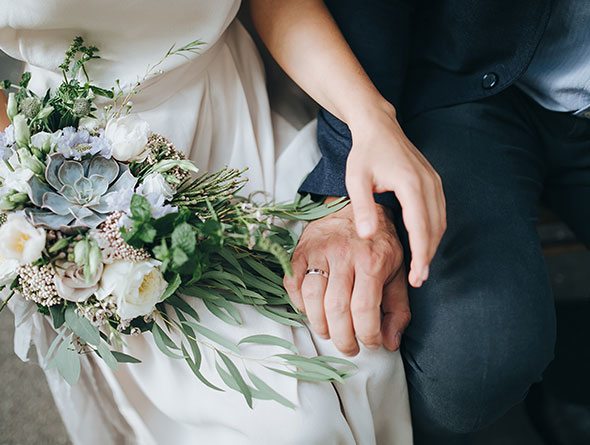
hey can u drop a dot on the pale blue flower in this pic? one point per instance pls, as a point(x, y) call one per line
point(77, 143)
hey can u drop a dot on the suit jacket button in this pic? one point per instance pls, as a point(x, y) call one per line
point(489, 80)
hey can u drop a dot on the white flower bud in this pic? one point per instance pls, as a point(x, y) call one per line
point(22, 134)
point(11, 107)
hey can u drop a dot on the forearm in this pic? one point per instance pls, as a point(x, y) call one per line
point(4, 121)
point(306, 42)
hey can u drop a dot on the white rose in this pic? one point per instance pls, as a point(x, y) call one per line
point(20, 240)
point(8, 270)
point(155, 184)
point(136, 287)
point(128, 136)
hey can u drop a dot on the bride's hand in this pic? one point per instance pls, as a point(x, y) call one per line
point(364, 278)
point(383, 159)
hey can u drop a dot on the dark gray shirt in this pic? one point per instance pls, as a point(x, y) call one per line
point(558, 77)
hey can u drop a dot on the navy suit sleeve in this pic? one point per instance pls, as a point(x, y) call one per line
point(378, 32)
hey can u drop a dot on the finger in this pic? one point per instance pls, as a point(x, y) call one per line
point(417, 221)
point(337, 307)
point(365, 308)
point(313, 290)
point(293, 283)
point(360, 190)
point(396, 311)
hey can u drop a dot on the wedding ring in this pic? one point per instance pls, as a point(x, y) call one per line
point(321, 272)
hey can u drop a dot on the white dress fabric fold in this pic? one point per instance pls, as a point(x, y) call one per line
point(213, 106)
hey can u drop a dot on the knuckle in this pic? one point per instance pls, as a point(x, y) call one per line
point(363, 306)
point(372, 260)
point(370, 338)
point(337, 306)
point(349, 350)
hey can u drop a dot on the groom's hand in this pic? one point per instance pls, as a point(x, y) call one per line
point(365, 277)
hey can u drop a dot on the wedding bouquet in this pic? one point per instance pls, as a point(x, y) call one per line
point(109, 230)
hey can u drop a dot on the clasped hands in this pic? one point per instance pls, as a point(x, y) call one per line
point(363, 295)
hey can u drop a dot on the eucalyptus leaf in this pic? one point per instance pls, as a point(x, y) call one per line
point(68, 362)
point(235, 373)
point(81, 327)
point(124, 358)
point(267, 391)
point(264, 339)
point(264, 271)
point(194, 368)
point(172, 286)
point(220, 340)
point(108, 357)
point(178, 302)
point(57, 315)
point(164, 343)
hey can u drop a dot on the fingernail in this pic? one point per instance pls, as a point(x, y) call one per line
point(323, 336)
point(425, 273)
point(418, 283)
point(398, 339)
point(373, 347)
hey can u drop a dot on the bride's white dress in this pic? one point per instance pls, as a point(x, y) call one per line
point(215, 107)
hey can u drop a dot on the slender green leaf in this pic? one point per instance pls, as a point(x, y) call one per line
point(163, 342)
point(277, 318)
point(194, 368)
point(235, 373)
point(108, 357)
point(268, 391)
point(219, 313)
point(124, 358)
point(178, 302)
point(228, 255)
point(57, 315)
point(220, 340)
point(264, 271)
point(172, 286)
point(264, 339)
point(81, 327)
point(52, 347)
point(68, 361)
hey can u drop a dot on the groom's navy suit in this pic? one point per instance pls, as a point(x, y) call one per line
point(483, 326)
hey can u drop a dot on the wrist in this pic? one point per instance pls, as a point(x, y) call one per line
point(373, 113)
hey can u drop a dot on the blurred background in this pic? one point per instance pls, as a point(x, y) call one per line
point(28, 414)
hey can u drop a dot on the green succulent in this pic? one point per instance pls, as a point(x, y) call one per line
point(76, 193)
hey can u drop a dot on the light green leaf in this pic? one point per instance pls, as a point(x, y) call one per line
point(68, 362)
point(52, 348)
point(179, 303)
point(264, 339)
point(277, 318)
point(124, 358)
point(264, 271)
point(228, 255)
point(172, 286)
point(306, 364)
point(108, 357)
point(81, 327)
point(267, 391)
point(195, 369)
point(235, 373)
point(219, 313)
point(163, 342)
point(220, 340)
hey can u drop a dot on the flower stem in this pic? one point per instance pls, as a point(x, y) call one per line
point(7, 300)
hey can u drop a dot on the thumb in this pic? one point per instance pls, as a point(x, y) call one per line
point(360, 191)
point(396, 309)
